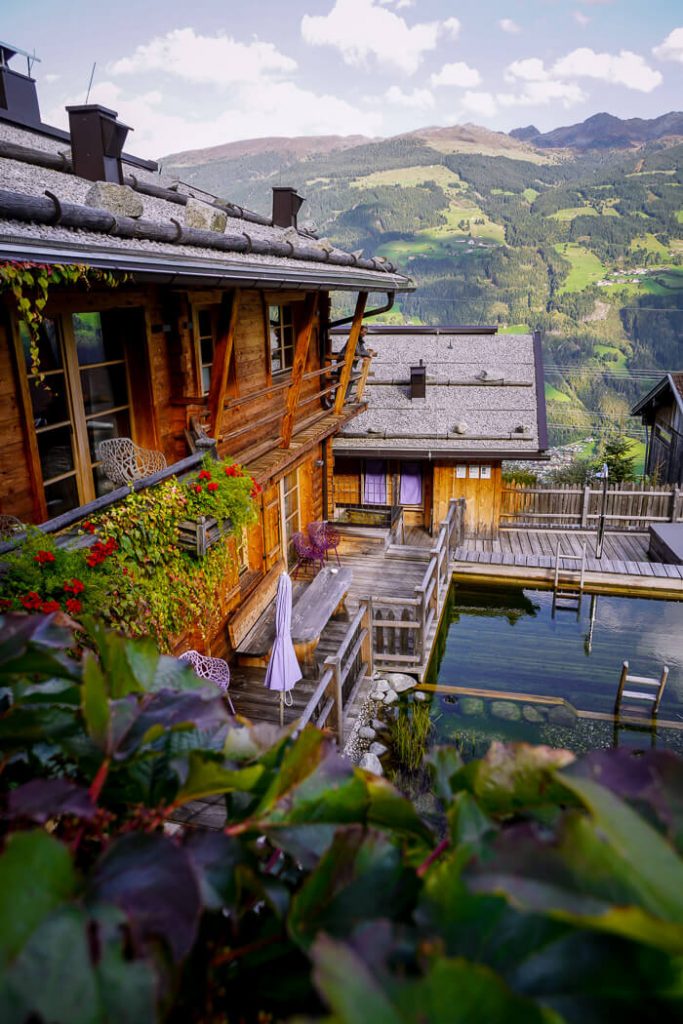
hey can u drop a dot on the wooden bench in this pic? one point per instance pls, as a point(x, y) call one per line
point(321, 600)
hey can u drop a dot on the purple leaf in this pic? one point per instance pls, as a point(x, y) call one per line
point(42, 799)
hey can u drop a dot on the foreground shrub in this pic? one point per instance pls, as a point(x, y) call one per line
point(554, 891)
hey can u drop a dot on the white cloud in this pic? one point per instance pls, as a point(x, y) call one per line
point(458, 73)
point(51, 78)
point(481, 104)
point(625, 68)
point(255, 110)
point(672, 47)
point(580, 18)
point(219, 59)
point(510, 26)
point(363, 30)
point(539, 94)
point(418, 99)
point(451, 27)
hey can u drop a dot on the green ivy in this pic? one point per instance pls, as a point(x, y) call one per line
point(30, 283)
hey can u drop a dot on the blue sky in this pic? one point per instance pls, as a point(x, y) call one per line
point(193, 75)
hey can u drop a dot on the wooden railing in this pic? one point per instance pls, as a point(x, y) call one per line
point(627, 506)
point(343, 674)
point(402, 626)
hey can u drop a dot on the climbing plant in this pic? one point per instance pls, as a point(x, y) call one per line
point(30, 284)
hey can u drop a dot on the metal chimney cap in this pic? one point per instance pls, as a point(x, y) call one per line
point(87, 108)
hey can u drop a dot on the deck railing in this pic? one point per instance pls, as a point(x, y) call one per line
point(343, 674)
point(627, 506)
point(402, 626)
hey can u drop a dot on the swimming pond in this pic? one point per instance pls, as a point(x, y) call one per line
point(547, 675)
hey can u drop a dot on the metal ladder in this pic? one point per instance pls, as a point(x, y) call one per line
point(568, 583)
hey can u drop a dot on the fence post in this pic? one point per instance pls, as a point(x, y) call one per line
point(334, 663)
point(367, 652)
point(674, 503)
point(585, 505)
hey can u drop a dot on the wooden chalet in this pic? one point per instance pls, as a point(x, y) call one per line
point(661, 410)
point(446, 407)
point(219, 325)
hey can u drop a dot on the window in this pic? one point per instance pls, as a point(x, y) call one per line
point(242, 545)
point(205, 319)
point(281, 334)
point(289, 491)
point(375, 486)
point(411, 483)
point(85, 399)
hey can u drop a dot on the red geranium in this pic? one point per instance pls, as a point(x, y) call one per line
point(32, 601)
point(73, 605)
point(49, 606)
point(213, 486)
point(43, 557)
point(99, 552)
point(5, 603)
point(197, 488)
point(205, 475)
point(256, 490)
point(88, 526)
point(74, 587)
point(233, 471)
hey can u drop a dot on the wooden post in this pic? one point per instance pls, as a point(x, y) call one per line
point(303, 338)
point(367, 653)
point(347, 368)
point(336, 685)
point(585, 505)
point(365, 370)
point(622, 684)
point(674, 503)
point(221, 361)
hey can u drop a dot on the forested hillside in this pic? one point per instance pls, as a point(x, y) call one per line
point(583, 244)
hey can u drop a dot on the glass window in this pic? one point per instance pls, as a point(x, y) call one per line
point(290, 506)
point(375, 489)
point(205, 341)
point(281, 338)
point(241, 542)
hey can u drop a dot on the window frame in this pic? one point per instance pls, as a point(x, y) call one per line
point(284, 349)
point(200, 365)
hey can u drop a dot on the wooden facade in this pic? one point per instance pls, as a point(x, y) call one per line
point(662, 413)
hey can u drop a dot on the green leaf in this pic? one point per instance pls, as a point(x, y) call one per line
point(516, 776)
point(36, 876)
point(348, 986)
point(95, 703)
point(207, 777)
point(390, 810)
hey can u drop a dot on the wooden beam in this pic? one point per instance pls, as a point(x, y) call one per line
point(347, 368)
point(365, 370)
point(221, 360)
point(303, 338)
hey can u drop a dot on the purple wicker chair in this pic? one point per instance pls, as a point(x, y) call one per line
point(325, 537)
point(215, 670)
point(307, 552)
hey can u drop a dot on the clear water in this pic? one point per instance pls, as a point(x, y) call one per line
point(507, 639)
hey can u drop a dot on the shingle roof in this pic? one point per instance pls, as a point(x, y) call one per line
point(31, 238)
point(670, 382)
point(482, 395)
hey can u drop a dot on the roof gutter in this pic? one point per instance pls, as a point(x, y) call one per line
point(182, 268)
point(389, 304)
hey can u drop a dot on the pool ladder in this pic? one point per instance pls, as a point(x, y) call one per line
point(650, 692)
point(568, 583)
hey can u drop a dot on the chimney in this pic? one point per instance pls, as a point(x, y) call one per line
point(18, 95)
point(97, 140)
point(286, 205)
point(418, 381)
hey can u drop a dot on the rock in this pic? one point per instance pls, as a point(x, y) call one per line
point(471, 706)
point(401, 682)
point(366, 733)
point(383, 685)
point(377, 695)
point(391, 697)
point(378, 725)
point(564, 714)
point(506, 710)
point(532, 714)
point(117, 199)
point(377, 749)
point(419, 695)
point(371, 763)
point(204, 216)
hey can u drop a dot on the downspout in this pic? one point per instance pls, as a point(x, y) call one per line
point(391, 298)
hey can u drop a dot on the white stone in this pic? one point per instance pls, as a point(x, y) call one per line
point(378, 749)
point(371, 763)
point(400, 682)
point(366, 733)
point(378, 725)
point(117, 199)
point(391, 697)
point(382, 685)
point(419, 695)
point(204, 216)
point(377, 695)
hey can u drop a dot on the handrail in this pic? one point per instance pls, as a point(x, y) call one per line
point(314, 699)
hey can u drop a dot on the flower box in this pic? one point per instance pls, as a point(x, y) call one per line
point(198, 535)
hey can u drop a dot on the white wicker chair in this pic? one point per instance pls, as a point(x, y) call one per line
point(214, 669)
point(123, 461)
point(9, 526)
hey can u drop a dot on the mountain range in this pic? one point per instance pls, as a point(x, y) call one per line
point(576, 233)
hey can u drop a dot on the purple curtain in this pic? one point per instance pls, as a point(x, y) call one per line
point(411, 484)
point(375, 492)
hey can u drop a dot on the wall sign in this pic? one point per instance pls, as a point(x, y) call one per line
point(474, 472)
point(485, 472)
point(461, 472)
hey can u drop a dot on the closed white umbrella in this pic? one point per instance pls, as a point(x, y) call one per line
point(283, 668)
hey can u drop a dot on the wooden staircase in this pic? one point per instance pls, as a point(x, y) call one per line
point(646, 698)
point(568, 583)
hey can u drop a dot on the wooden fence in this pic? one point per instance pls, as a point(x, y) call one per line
point(402, 625)
point(627, 506)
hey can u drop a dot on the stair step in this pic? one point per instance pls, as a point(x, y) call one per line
point(643, 680)
point(634, 695)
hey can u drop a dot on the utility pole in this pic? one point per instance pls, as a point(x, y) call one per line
point(604, 476)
